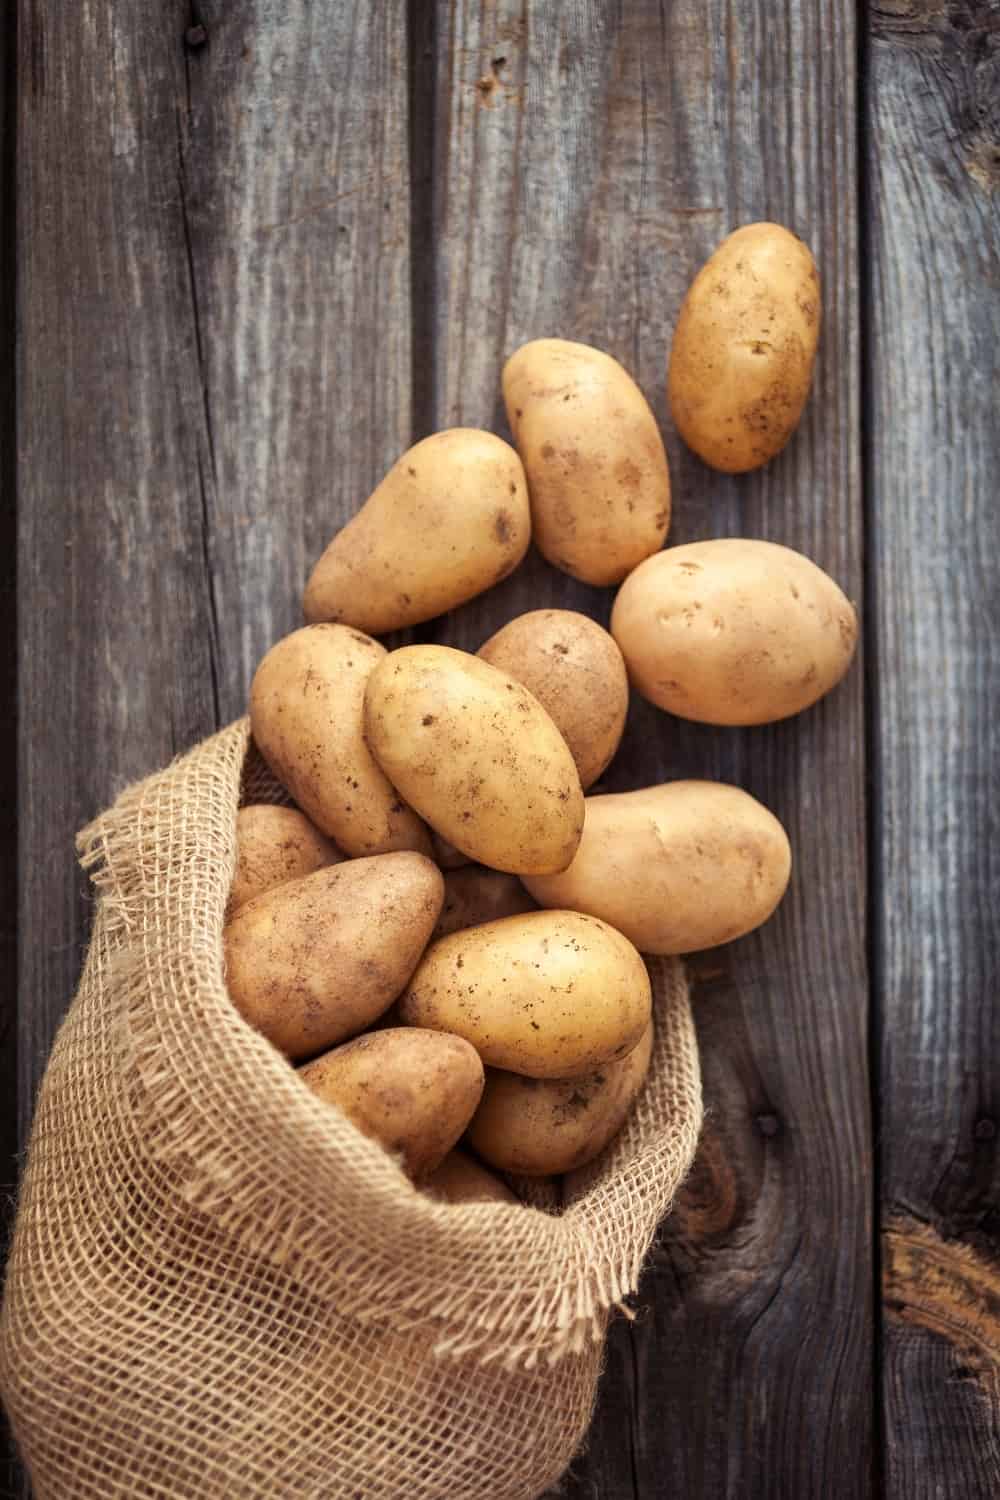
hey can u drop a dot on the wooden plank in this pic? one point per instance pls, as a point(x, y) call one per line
point(932, 148)
point(586, 162)
point(214, 369)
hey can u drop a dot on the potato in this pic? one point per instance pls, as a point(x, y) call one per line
point(306, 706)
point(449, 520)
point(576, 672)
point(275, 844)
point(742, 358)
point(537, 1126)
point(676, 867)
point(733, 631)
point(552, 994)
point(316, 960)
point(474, 895)
point(460, 1179)
point(477, 756)
point(415, 1091)
point(596, 466)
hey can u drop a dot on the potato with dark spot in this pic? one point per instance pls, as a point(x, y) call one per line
point(415, 1091)
point(733, 631)
point(576, 671)
point(306, 707)
point(595, 461)
point(741, 363)
point(316, 960)
point(538, 1126)
point(676, 867)
point(551, 994)
point(477, 756)
point(461, 1179)
point(474, 895)
point(449, 520)
point(274, 845)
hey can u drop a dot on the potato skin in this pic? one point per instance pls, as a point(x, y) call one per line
point(595, 461)
point(306, 707)
point(677, 867)
point(415, 1091)
point(474, 895)
point(477, 756)
point(461, 1179)
point(275, 844)
point(743, 351)
point(538, 1126)
point(449, 520)
point(576, 671)
point(318, 959)
point(733, 631)
point(551, 994)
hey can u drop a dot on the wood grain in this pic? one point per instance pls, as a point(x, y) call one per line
point(586, 163)
point(932, 147)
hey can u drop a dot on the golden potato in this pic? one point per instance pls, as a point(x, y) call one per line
point(596, 466)
point(477, 756)
point(306, 705)
point(460, 1179)
point(742, 358)
point(473, 895)
point(733, 631)
point(676, 867)
point(576, 672)
point(449, 520)
point(415, 1091)
point(538, 1126)
point(275, 844)
point(552, 994)
point(316, 960)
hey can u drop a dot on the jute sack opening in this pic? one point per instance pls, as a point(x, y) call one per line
point(218, 1287)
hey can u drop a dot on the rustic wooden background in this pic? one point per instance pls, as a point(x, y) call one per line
point(260, 248)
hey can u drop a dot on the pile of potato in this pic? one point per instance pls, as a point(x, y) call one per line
point(445, 931)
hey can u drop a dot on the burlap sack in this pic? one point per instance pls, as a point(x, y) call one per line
point(219, 1288)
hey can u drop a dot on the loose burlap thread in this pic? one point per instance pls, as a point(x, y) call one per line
point(218, 1287)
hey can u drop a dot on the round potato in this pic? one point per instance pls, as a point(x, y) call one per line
point(576, 672)
point(742, 358)
point(595, 461)
point(552, 994)
point(415, 1091)
point(316, 960)
point(449, 520)
point(273, 845)
point(477, 756)
point(474, 895)
point(306, 706)
point(733, 631)
point(538, 1126)
point(677, 867)
point(460, 1179)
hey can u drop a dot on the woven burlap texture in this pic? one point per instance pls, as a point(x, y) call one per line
point(218, 1287)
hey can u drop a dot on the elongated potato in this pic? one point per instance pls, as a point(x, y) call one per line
point(273, 845)
point(552, 994)
point(676, 867)
point(474, 895)
point(460, 1179)
point(477, 756)
point(733, 631)
point(449, 520)
point(742, 358)
point(306, 706)
point(576, 671)
point(316, 960)
point(538, 1126)
point(596, 466)
point(415, 1091)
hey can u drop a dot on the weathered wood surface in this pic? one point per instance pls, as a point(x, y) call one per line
point(932, 147)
